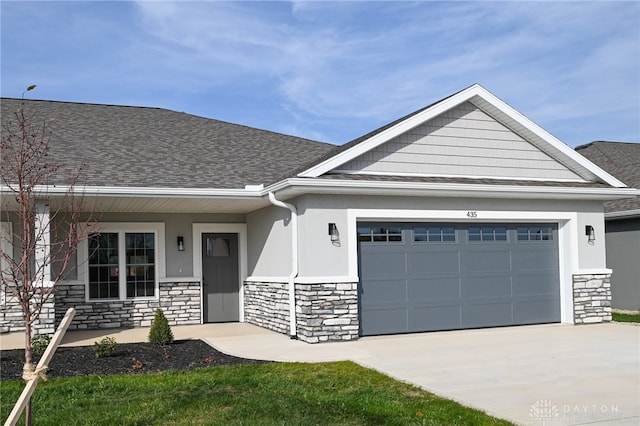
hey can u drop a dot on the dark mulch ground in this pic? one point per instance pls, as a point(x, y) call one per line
point(129, 358)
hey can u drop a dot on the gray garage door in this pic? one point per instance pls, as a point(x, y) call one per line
point(428, 276)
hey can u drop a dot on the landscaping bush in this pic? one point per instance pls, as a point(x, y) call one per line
point(160, 333)
point(105, 347)
point(40, 342)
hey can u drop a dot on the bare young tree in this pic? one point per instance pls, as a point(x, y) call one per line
point(47, 212)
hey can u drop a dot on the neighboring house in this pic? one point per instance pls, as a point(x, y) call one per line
point(622, 220)
point(463, 214)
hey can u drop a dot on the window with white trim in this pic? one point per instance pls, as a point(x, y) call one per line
point(123, 263)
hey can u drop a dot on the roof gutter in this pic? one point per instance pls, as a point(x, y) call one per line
point(294, 261)
point(121, 191)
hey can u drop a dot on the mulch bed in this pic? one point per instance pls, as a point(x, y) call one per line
point(129, 358)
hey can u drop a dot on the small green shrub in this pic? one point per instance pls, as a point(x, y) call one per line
point(105, 347)
point(40, 342)
point(160, 333)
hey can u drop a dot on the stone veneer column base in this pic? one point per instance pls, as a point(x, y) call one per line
point(327, 312)
point(591, 298)
point(267, 305)
point(324, 312)
point(180, 302)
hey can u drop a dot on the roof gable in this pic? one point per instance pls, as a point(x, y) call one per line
point(462, 142)
point(559, 161)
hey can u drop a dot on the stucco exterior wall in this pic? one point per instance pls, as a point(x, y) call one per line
point(320, 258)
point(269, 242)
point(179, 264)
point(591, 256)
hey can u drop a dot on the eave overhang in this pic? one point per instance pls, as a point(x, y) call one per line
point(294, 187)
point(193, 200)
point(150, 200)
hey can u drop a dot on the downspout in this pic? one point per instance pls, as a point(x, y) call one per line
point(294, 261)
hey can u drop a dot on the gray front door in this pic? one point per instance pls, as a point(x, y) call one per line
point(433, 276)
point(220, 277)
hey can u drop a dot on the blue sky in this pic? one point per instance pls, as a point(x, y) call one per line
point(332, 71)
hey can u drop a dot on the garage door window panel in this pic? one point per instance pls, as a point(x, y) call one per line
point(535, 233)
point(486, 233)
point(378, 234)
point(435, 234)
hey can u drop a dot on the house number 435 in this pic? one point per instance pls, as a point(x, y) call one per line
point(472, 214)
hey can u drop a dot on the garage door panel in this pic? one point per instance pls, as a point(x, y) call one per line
point(535, 259)
point(385, 321)
point(545, 283)
point(384, 292)
point(435, 290)
point(537, 311)
point(481, 287)
point(431, 318)
point(487, 314)
point(427, 263)
point(479, 260)
point(487, 275)
point(384, 264)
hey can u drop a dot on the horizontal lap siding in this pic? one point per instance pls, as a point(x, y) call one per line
point(464, 141)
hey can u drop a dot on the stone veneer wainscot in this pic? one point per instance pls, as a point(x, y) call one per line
point(180, 302)
point(324, 312)
point(591, 298)
point(11, 319)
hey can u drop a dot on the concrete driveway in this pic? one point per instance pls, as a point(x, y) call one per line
point(535, 375)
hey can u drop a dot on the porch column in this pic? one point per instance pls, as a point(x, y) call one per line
point(42, 232)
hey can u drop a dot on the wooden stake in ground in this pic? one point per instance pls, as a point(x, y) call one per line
point(37, 374)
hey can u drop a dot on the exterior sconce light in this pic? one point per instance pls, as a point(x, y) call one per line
point(180, 243)
point(333, 233)
point(590, 233)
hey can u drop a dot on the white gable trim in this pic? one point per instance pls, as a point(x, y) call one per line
point(484, 100)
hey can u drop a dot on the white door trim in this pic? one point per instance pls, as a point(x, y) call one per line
point(221, 228)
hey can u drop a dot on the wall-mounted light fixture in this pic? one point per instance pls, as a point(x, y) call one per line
point(180, 243)
point(333, 233)
point(590, 233)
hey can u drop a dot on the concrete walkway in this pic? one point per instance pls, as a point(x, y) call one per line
point(534, 375)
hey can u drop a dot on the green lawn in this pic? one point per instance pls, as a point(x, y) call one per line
point(340, 393)
point(626, 317)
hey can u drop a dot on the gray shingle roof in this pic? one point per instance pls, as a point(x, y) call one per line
point(153, 147)
point(620, 159)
